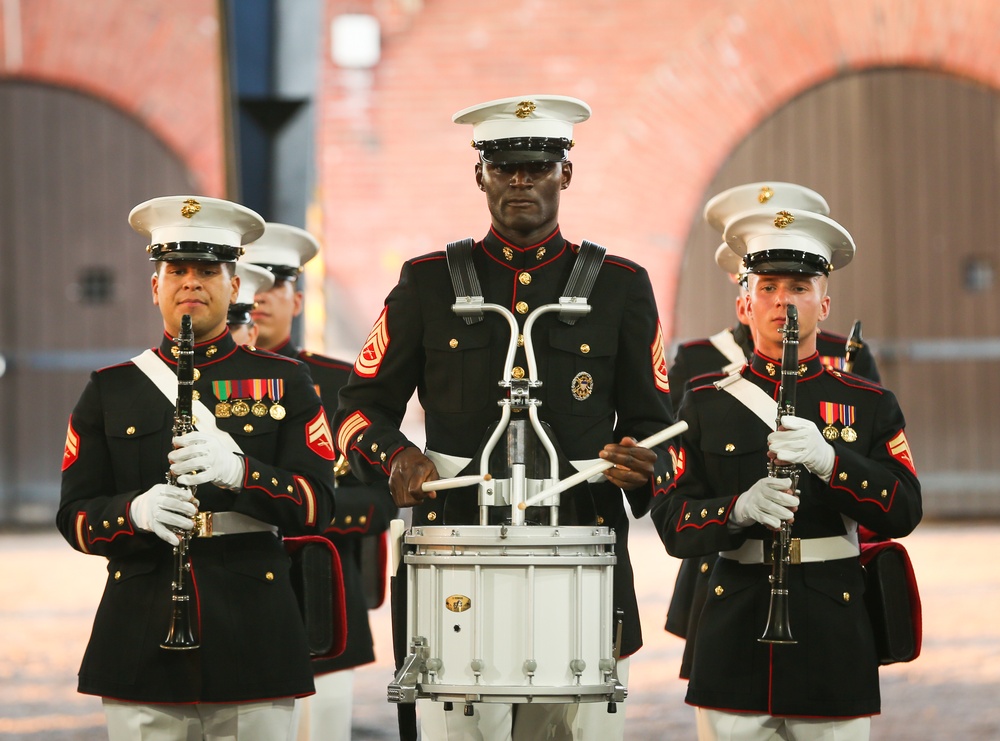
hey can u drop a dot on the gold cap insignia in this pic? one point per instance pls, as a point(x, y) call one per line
point(783, 219)
point(765, 194)
point(524, 109)
point(190, 208)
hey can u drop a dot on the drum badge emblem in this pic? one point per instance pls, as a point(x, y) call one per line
point(582, 386)
point(458, 603)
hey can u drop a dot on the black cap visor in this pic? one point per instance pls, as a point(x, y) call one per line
point(524, 149)
point(204, 251)
point(770, 262)
point(239, 314)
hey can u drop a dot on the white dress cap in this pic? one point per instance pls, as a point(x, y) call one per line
point(729, 261)
point(195, 227)
point(772, 196)
point(501, 129)
point(789, 241)
point(253, 280)
point(283, 250)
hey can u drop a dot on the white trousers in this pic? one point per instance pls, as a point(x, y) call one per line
point(585, 721)
point(326, 716)
point(273, 720)
point(718, 725)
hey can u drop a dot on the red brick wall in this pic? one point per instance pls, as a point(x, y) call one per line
point(157, 60)
point(674, 86)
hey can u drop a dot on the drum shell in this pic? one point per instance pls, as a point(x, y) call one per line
point(512, 614)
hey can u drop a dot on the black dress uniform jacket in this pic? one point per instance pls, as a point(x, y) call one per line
point(253, 643)
point(419, 343)
point(833, 669)
point(363, 514)
point(701, 358)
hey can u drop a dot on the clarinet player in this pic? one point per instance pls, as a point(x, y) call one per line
point(257, 466)
point(848, 439)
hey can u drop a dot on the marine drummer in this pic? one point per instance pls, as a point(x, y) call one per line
point(604, 377)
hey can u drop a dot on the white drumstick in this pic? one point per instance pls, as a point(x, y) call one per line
point(665, 434)
point(456, 483)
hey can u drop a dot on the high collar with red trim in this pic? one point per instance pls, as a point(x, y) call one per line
point(525, 258)
point(770, 369)
point(210, 351)
point(286, 348)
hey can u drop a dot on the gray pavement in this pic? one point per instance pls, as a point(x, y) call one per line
point(48, 594)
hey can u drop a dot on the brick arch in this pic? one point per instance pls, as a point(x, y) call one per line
point(730, 76)
point(160, 63)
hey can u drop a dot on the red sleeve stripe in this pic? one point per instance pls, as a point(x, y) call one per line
point(81, 531)
point(308, 498)
point(350, 427)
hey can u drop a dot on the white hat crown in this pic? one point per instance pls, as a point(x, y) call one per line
point(768, 195)
point(195, 227)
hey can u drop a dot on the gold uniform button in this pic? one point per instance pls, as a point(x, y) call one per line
point(195, 395)
point(524, 278)
point(121, 520)
point(118, 575)
point(363, 519)
point(719, 591)
point(130, 430)
point(687, 516)
point(704, 514)
point(453, 343)
point(847, 596)
point(374, 447)
point(520, 340)
point(432, 516)
point(248, 428)
point(517, 371)
point(197, 373)
point(274, 482)
point(884, 493)
point(381, 456)
point(842, 476)
point(704, 567)
point(290, 488)
point(659, 479)
point(721, 510)
point(106, 524)
point(600, 520)
point(730, 447)
point(585, 348)
point(864, 484)
point(522, 307)
point(347, 520)
point(269, 576)
point(255, 475)
point(361, 437)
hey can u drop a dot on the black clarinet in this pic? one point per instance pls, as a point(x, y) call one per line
point(180, 635)
point(854, 344)
point(778, 629)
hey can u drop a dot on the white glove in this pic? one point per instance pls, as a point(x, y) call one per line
point(766, 502)
point(200, 457)
point(802, 442)
point(163, 509)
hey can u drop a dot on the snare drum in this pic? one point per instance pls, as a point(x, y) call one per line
point(512, 614)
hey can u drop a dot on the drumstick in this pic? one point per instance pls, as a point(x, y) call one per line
point(665, 434)
point(455, 483)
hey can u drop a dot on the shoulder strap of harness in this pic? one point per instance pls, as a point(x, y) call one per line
point(581, 279)
point(464, 281)
point(468, 293)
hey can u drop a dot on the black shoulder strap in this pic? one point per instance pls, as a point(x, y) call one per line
point(464, 280)
point(581, 279)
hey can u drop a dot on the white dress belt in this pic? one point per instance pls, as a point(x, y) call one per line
point(809, 550)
